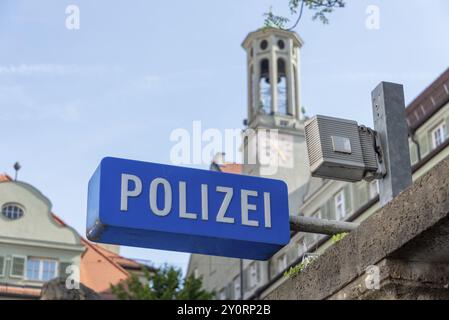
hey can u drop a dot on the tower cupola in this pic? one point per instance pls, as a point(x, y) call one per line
point(273, 69)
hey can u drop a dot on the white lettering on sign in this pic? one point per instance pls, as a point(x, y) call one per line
point(167, 196)
point(246, 207)
point(267, 207)
point(134, 190)
point(183, 203)
point(224, 205)
point(126, 193)
point(204, 202)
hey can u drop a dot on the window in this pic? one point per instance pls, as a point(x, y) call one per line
point(41, 269)
point(373, 189)
point(265, 86)
point(12, 211)
point(281, 44)
point(2, 266)
point(282, 263)
point(282, 88)
point(18, 267)
point(264, 44)
point(253, 276)
point(237, 288)
point(340, 207)
point(196, 273)
point(438, 135)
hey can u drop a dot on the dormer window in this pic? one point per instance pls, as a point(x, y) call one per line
point(12, 211)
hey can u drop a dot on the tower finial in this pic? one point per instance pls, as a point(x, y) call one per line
point(17, 167)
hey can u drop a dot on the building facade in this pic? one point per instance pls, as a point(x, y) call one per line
point(37, 246)
point(428, 121)
point(34, 248)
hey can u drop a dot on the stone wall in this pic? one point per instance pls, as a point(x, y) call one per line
point(406, 242)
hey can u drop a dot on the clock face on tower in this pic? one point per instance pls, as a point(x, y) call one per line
point(276, 150)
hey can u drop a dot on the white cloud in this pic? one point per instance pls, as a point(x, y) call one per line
point(53, 70)
point(17, 105)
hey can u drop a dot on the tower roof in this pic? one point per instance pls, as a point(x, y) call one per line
point(270, 30)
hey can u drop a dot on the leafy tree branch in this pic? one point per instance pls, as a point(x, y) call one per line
point(165, 284)
point(321, 9)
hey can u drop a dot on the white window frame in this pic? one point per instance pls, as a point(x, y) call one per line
point(23, 276)
point(339, 201)
point(237, 288)
point(13, 204)
point(442, 130)
point(3, 270)
point(41, 268)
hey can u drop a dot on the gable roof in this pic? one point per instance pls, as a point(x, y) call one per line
point(121, 263)
point(4, 177)
point(236, 168)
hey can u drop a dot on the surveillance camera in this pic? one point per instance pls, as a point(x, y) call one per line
point(340, 149)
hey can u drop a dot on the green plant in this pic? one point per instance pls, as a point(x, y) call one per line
point(293, 271)
point(338, 237)
point(321, 9)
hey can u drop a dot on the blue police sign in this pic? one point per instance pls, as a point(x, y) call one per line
point(165, 207)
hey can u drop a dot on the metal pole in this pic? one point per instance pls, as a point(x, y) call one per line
point(241, 280)
point(320, 226)
point(391, 126)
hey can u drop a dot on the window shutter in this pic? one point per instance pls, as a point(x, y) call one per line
point(347, 195)
point(2, 266)
point(18, 267)
point(330, 204)
point(424, 144)
point(447, 127)
point(62, 269)
point(245, 279)
point(324, 211)
point(413, 153)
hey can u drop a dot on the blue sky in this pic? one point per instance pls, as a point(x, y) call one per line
point(136, 70)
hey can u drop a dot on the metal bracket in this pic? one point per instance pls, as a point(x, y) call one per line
point(320, 226)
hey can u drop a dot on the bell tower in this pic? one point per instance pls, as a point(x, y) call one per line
point(274, 108)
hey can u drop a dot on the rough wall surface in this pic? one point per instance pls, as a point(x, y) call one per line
point(408, 240)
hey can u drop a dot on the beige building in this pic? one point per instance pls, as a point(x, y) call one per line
point(37, 246)
point(278, 107)
point(34, 248)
